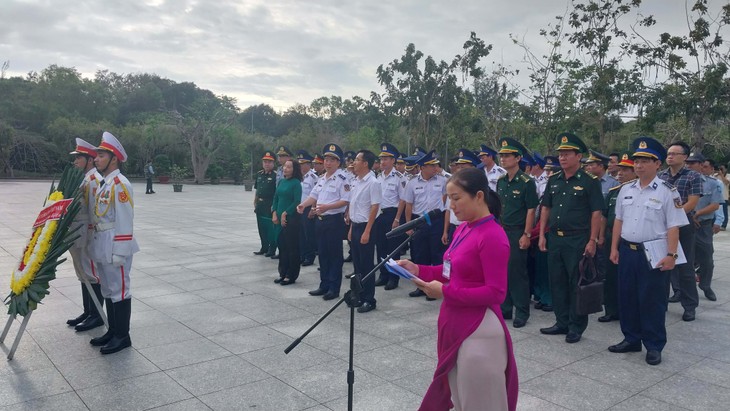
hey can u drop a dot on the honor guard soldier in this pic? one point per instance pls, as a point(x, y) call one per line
point(318, 164)
point(392, 186)
point(113, 244)
point(363, 209)
point(265, 188)
point(425, 193)
point(689, 185)
point(519, 200)
point(84, 156)
point(488, 158)
point(597, 164)
point(646, 209)
point(703, 220)
point(331, 196)
point(309, 180)
point(625, 176)
point(572, 206)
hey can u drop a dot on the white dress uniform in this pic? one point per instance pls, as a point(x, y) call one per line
point(308, 182)
point(392, 188)
point(83, 264)
point(647, 213)
point(329, 190)
point(366, 192)
point(493, 175)
point(114, 244)
point(426, 195)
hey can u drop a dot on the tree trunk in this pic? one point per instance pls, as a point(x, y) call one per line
point(698, 132)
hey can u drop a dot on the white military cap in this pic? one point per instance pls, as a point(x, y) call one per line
point(83, 147)
point(111, 144)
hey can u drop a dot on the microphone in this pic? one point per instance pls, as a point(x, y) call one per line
point(414, 224)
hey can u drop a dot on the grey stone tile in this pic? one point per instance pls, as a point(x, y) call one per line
point(216, 375)
point(527, 402)
point(627, 375)
point(161, 334)
point(138, 393)
point(262, 309)
point(270, 394)
point(209, 318)
point(711, 371)
point(425, 345)
point(640, 402)
point(273, 360)
point(172, 300)
point(67, 401)
point(382, 398)
point(103, 369)
point(31, 385)
point(179, 275)
point(192, 404)
point(690, 393)
point(221, 293)
point(338, 343)
point(389, 328)
point(250, 339)
point(528, 369)
point(417, 383)
point(183, 353)
point(393, 362)
point(574, 391)
point(553, 350)
point(328, 381)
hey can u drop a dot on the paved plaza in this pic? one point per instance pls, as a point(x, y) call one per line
point(209, 328)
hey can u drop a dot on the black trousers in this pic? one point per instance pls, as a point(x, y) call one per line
point(363, 260)
point(329, 230)
point(288, 242)
point(149, 185)
point(384, 245)
point(683, 275)
point(426, 245)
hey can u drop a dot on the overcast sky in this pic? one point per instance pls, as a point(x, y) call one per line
point(278, 52)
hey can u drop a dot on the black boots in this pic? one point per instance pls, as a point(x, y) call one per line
point(120, 337)
point(94, 319)
point(86, 302)
point(104, 339)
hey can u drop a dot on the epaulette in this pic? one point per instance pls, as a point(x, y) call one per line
point(92, 177)
point(592, 175)
point(261, 171)
point(117, 180)
point(556, 174)
point(525, 178)
point(501, 177)
point(621, 185)
point(342, 176)
point(671, 187)
point(398, 174)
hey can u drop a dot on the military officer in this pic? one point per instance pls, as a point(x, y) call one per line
point(597, 165)
point(400, 164)
point(464, 159)
point(363, 209)
point(265, 187)
point(519, 200)
point(571, 206)
point(488, 156)
point(625, 176)
point(540, 174)
point(392, 186)
point(307, 238)
point(331, 196)
point(646, 209)
point(113, 243)
point(318, 164)
point(283, 154)
point(84, 156)
point(425, 193)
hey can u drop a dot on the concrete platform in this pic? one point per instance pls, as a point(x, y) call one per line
point(209, 328)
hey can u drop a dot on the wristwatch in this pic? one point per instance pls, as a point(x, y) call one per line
point(527, 234)
point(673, 255)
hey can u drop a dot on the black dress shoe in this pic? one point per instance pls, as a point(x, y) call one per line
point(572, 337)
point(416, 293)
point(676, 297)
point(330, 296)
point(554, 330)
point(507, 316)
point(653, 357)
point(519, 323)
point(689, 315)
point(89, 323)
point(365, 307)
point(307, 263)
point(318, 292)
point(102, 340)
point(268, 254)
point(275, 257)
point(278, 280)
point(348, 259)
point(538, 305)
point(287, 281)
point(625, 346)
point(78, 320)
point(607, 318)
point(392, 285)
point(547, 308)
point(709, 294)
point(430, 298)
point(381, 282)
point(260, 252)
point(116, 344)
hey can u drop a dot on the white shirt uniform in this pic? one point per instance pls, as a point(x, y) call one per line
point(426, 195)
point(493, 175)
point(113, 220)
point(452, 217)
point(648, 213)
point(308, 182)
point(366, 192)
point(541, 182)
point(83, 264)
point(330, 190)
point(393, 187)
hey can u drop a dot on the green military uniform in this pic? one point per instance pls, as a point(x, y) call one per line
point(571, 202)
point(265, 188)
point(518, 196)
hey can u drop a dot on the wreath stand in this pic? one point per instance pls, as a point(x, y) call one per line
point(21, 331)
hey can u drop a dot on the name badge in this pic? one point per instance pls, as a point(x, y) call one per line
point(447, 269)
point(437, 187)
point(331, 188)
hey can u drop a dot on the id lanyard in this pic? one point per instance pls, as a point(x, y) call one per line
point(457, 241)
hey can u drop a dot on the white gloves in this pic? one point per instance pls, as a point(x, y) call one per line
point(118, 260)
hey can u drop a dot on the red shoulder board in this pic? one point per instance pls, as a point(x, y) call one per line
point(117, 180)
point(93, 177)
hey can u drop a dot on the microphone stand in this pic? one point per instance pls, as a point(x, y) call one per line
point(352, 298)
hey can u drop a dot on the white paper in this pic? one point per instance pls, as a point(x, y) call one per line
point(394, 268)
point(657, 249)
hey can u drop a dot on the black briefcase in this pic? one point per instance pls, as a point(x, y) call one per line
point(589, 295)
